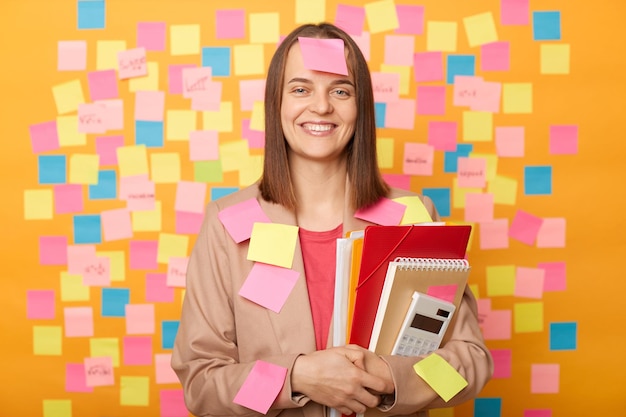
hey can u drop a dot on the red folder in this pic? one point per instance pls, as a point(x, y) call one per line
point(383, 244)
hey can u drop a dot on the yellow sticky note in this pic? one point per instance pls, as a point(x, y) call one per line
point(500, 280)
point(84, 168)
point(381, 16)
point(440, 376)
point(221, 121)
point(149, 82)
point(528, 317)
point(135, 390)
point(264, 27)
point(208, 171)
point(273, 244)
point(68, 96)
point(47, 340)
point(147, 220)
point(480, 29)
point(384, 152)
point(308, 11)
point(251, 171)
point(459, 193)
point(165, 168)
point(184, 39)
point(404, 72)
point(180, 123)
point(117, 264)
point(504, 190)
point(441, 412)
point(132, 160)
point(233, 155)
point(38, 204)
point(415, 212)
point(67, 129)
point(171, 246)
point(257, 118)
point(441, 36)
point(107, 54)
point(477, 126)
point(517, 98)
point(249, 59)
point(554, 58)
point(72, 287)
point(57, 408)
point(491, 162)
point(105, 347)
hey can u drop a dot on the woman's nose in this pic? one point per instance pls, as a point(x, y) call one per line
point(320, 103)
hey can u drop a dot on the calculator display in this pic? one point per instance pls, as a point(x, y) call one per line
point(426, 323)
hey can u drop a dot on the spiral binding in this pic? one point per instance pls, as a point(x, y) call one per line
point(432, 264)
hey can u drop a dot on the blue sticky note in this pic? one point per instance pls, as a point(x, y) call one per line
point(563, 336)
point(106, 188)
point(114, 301)
point(441, 199)
point(538, 180)
point(218, 58)
point(87, 228)
point(450, 159)
point(219, 192)
point(460, 65)
point(487, 407)
point(52, 169)
point(168, 333)
point(547, 26)
point(380, 110)
point(91, 14)
point(149, 133)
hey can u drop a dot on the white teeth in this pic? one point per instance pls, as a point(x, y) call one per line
point(317, 128)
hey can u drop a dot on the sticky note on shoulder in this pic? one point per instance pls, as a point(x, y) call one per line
point(440, 376)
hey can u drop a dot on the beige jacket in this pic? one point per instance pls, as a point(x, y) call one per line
point(221, 334)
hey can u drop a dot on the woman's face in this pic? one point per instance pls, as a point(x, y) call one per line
point(318, 112)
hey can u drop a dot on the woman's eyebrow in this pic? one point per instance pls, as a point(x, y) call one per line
point(338, 81)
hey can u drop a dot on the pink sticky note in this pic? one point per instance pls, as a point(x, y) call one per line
point(72, 55)
point(261, 387)
point(494, 234)
point(190, 197)
point(208, 100)
point(230, 24)
point(240, 218)
point(484, 308)
point(514, 12)
point(102, 85)
point(529, 282)
point(138, 192)
point(149, 105)
point(137, 350)
point(428, 66)
point(400, 114)
point(443, 292)
point(188, 223)
point(175, 77)
point(269, 285)
point(139, 318)
point(363, 41)
point(488, 98)
point(132, 63)
point(75, 380)
point(143, 254)
point(53, 250)
point(40, 304)
point(350, 18)
point(443, 136)
point(172, 403)
point(256, 139)
point(385, 212)
point(431, 99)
point(510, 141)
point(177, 272)
point(114, 113)
point(251, 91)
point(399, 50)
point(465, 89)
point(386, 86)
point(479, 207)
point(494, 56)
point(401, 181)
point(99, 371)
point(151, 35)
point(164, 372)
point(544, 378)
point(92, 118)
point(563, 140)
point(195, 80)
point(497, 325)
point(410, 19)
point(68, 198)
point(327, 55)
point(471, 172)
point(525, 227)
point(157, 290)
point(106, 148)
point(418, 159)
point(555, 276)
point(44, 136)
point(552, 233)
point(538, 413)
point(78, 321)
point(502, 360)
point(97, 272)
point(203, 145)
point(78, 257)
point(116, 224)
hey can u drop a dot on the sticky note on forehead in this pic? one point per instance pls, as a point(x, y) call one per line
point(325, 55)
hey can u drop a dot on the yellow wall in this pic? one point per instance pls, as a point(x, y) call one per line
point(586, 193)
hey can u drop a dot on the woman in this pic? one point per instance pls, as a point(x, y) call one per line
point(320, 168)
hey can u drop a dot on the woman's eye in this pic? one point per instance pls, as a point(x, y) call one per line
point(342, 93)
point(299, 90)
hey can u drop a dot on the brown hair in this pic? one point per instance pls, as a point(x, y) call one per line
point(367, 185)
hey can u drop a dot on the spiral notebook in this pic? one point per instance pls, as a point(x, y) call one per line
point(441, 278)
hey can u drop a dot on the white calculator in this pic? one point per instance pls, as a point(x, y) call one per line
point(424, 325)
